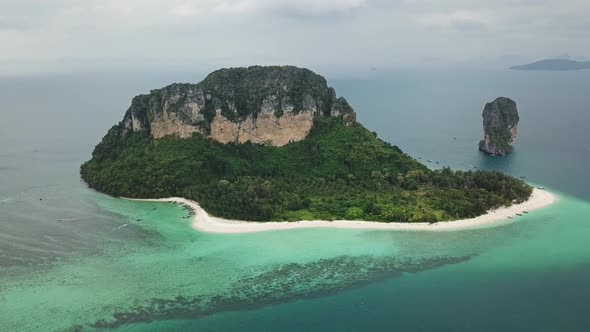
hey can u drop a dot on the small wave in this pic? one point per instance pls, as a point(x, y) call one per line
point(124, 225)
point(6, 200)
point(67, 219)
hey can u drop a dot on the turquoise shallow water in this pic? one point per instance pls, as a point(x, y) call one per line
point(139, 266)
point(176, 273)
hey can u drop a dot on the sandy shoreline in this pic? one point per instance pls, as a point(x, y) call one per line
point(202, 221)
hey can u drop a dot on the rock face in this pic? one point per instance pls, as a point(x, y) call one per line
point(263, 105)
point(500, 126)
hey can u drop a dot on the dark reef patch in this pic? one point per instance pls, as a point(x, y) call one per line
point(279, 284)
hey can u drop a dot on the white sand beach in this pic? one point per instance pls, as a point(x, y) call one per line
point(204, 222)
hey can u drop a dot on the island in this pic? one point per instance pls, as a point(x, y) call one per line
point(554, 65)
point(275, 144)
point(500, 126)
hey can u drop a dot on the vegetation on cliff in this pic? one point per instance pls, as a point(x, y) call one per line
point(238, 94)
point(500, 125)
point(337, 172)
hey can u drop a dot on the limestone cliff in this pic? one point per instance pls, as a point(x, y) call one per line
point(500, 126)
point(264, 105)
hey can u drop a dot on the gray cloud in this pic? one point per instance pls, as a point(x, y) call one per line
point(341, 32)
point(7, 23)
point(468, 25)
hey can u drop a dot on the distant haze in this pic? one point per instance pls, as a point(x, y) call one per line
point(39, 36)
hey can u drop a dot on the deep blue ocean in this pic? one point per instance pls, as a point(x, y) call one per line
point(531, 275)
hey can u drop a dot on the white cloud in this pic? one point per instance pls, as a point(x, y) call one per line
point(454, 19)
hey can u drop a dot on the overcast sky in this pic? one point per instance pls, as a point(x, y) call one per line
point(37, 34)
